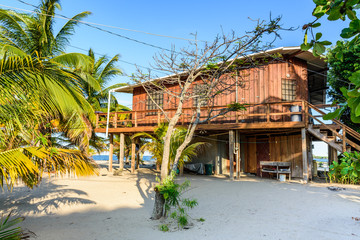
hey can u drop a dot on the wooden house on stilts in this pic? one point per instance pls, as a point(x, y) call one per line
point(285, 101)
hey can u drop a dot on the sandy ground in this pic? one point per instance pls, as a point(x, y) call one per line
point(119, 207)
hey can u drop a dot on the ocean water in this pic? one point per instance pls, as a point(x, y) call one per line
point(115, 158)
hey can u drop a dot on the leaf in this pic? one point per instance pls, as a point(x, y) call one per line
point(355, 25)
point(354, 118)
point(315, 25)
point(333, 115)
point(355, 78)
point(305, 47)
point(326, 43)
point(319, 48)
point(319, 11)
point(354, 93)
point(318, 36)
point(344, 171)
point(347, 33)
point(166, 196)
point(340, 56)
point(351, 14)
point(344, 91)
point(334, 14)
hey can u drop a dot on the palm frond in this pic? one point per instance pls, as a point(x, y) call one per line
point(62, 38)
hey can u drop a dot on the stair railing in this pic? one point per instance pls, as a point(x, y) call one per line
point(345, 129)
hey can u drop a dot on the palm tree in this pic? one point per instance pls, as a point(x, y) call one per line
point(40, 95)
point(156, 144)
point(24, 35)
point(103, 70)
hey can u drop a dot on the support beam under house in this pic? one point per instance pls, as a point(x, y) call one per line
point(231, 153)
point(133, 160)
point(122, 151)
point(304, 155)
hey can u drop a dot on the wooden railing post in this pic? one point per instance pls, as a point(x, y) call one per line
point(303, 111)
point(267, 112)
point(344, 139)
point(306, 119)
point(115, 120)
point(135, 118)
point(97, 121)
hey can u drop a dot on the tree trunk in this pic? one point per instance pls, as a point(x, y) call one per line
point(158, 210)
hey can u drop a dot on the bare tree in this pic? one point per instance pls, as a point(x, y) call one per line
point(202, 72)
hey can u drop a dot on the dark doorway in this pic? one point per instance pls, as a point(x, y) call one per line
point(262, 152)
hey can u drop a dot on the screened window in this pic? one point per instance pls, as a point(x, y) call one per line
point(199, 90)
point(153, 101)
point(288, 89)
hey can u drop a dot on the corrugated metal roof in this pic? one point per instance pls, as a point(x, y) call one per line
point(304, 55)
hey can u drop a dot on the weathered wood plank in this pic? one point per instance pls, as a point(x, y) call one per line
point(231, 153)
point(133, 160)
point(122, 151)
point(304, 154)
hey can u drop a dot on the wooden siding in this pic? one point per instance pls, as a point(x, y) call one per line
point(255, 85)
point(282, 149)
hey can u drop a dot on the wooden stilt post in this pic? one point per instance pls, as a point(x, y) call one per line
point(310, 159)
point(231, 153)
point(238, 162)
point(133, 160)
point(304, 154)
point(121, 151)
point(111, 151)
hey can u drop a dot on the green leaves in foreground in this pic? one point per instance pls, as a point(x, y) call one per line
point(353, 100)
point(347, 170)
point(8, 231)
point(29, 163)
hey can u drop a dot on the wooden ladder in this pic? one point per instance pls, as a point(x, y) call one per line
point(338, 129)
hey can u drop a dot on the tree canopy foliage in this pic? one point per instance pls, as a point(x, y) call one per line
point(336, 10)
point(41, 95)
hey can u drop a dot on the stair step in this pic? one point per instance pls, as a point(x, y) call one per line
point(330, 142)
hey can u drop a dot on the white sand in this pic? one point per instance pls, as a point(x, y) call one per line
point(109, 207)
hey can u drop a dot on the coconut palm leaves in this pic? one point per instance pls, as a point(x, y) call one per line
point(103, 70)
point(40, 95)
point(9, 231)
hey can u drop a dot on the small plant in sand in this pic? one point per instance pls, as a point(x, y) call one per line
point(175, 206)
point(163, 228)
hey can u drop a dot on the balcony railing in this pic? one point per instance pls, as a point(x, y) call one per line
point(255, 113)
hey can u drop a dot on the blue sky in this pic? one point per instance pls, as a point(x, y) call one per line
point(176, 18)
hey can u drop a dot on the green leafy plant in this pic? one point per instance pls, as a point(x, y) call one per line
point(347, 171)
point(175, 206)
point(164, 228)
point(8, 231)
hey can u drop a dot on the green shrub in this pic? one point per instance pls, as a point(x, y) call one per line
point(347, 171)
point(164, 228)
point(175, 206)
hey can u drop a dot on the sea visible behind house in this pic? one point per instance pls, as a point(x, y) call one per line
point(115, 158)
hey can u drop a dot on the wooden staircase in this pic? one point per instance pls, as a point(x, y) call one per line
point(340, 132)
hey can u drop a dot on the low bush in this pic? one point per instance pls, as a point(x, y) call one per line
point(347, 170)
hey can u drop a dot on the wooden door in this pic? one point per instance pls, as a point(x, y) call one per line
point(262, 152)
